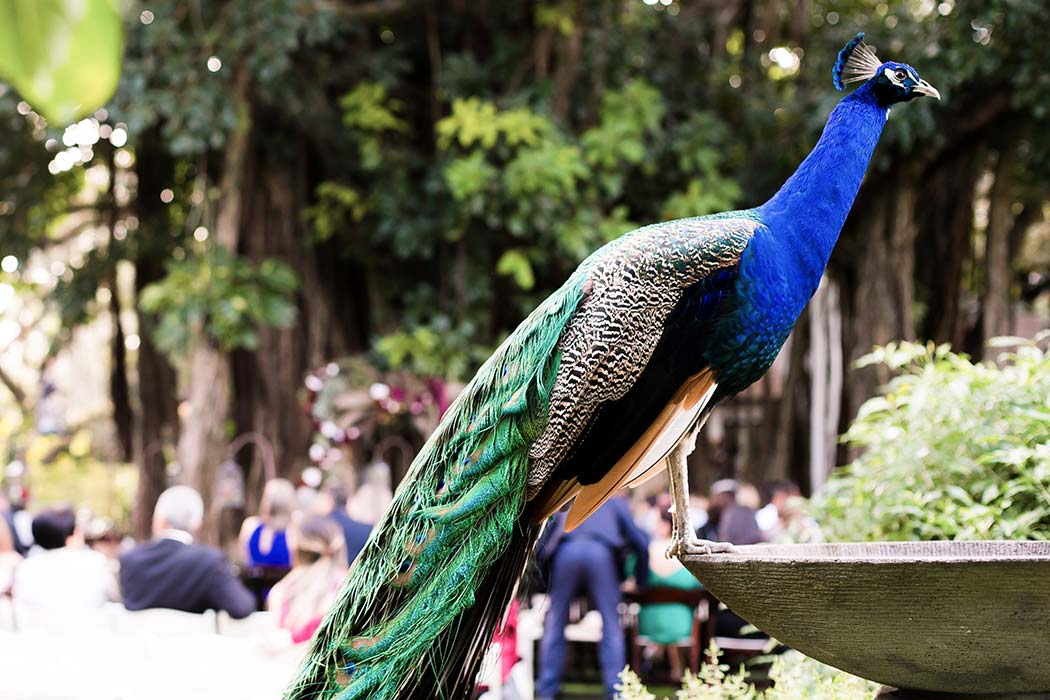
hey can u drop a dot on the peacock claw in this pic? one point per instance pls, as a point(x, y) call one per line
point(694, 546)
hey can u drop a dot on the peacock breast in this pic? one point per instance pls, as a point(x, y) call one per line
point(768, 297)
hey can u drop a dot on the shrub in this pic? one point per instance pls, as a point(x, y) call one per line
point(794, 677)
point(951, 449)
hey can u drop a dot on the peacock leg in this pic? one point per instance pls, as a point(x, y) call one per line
point(683, 537)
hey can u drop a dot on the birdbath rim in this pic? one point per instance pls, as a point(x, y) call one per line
point(913, 551)
point(943, 617)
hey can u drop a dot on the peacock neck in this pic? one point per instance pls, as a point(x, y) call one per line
point(807, 213)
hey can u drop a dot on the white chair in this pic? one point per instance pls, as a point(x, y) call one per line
point(66, 620)
point(7, 614)
point(491, 674)
point(161, 622)
point(255, 625)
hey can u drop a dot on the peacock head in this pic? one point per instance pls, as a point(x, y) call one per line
point(889, 82)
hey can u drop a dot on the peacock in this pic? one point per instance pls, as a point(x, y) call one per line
point(601, 386)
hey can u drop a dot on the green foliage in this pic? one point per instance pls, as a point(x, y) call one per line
point(63, 57)
point(797, 676)
point(702, 196)
point(468, 178)
point(474, 121)
point(511, 190)
point(336, 206)
point(368, 107)
point(167, 89)
point(439, 349)
point(370, 113)
point(515, 263)
point(628, 117)
point(794, 677)
point(951, 450)
point(429, 171)
point(223, 297)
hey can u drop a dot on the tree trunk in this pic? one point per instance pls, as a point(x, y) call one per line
point(567, 69)
point(779, 461)
point(332, 317)
point(202, 443)
point(268, 380)
point(157, 389)
point(119, 393)
point(157, 417)
point(943, 245)
point(825, 357)
point(995, 304)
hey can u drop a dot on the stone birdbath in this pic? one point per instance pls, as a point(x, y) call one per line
point(929, 620)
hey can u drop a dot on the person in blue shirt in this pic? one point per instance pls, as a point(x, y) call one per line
point(264, 539)
point(588, 561)
point(355, 533)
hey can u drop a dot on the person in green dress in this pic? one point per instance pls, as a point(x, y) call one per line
point(667, 624)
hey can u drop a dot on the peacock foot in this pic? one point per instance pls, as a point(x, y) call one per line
point(686, 546)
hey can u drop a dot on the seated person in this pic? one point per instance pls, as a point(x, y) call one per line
point(587, 560)
point(355, 533)
point(263, 539)
point(62, 574)
point(666, 624)
point(173, 572)
point(796, 525)
point(771, 516)
point(301, 599)
point(729, 521)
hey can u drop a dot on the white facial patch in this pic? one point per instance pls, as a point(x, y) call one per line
point(892, 76)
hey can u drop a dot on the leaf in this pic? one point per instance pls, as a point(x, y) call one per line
point(63, 56)
point(515, 264)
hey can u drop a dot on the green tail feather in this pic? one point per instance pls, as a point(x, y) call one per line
point(421, 602)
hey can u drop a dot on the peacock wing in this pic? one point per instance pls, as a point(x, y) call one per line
point(630, 294)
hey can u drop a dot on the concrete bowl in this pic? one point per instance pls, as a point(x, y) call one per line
point(948, 617)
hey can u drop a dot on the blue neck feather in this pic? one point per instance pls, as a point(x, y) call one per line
point(807, 213)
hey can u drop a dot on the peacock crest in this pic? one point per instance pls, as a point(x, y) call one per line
point(857, 62)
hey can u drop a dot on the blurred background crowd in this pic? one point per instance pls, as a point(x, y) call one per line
point(63, 568)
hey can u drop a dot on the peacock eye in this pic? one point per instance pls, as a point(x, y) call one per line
point(900, 75)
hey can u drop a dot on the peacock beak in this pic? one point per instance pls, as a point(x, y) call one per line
point(924, 88)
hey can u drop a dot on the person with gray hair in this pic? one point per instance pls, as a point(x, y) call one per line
point(178, 508)
point(173, 572)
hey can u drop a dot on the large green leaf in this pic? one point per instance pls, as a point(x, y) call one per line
point(63, 56)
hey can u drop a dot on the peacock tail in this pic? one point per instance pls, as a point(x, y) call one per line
point(413, 617)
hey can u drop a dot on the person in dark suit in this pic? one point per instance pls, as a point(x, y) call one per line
point(728, 520)
point(173, 572)
point(355, 533)
point(588, 561)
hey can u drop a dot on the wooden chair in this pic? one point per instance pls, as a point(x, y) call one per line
point(260, 579)
point(696, 600)
point(733, 648)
